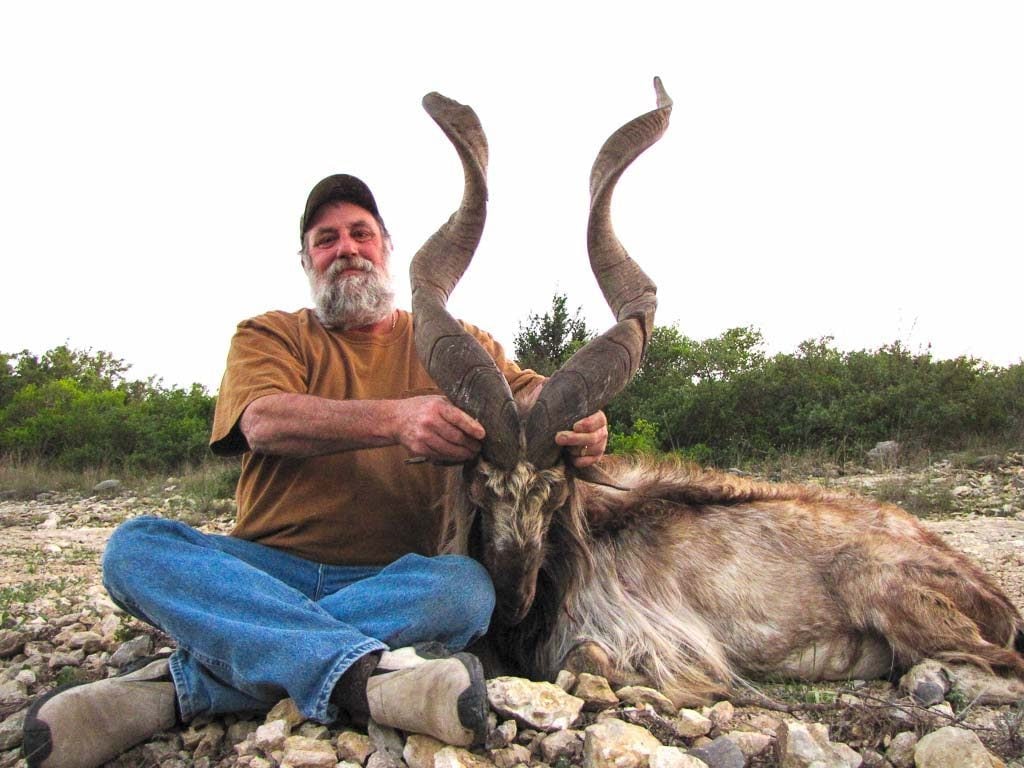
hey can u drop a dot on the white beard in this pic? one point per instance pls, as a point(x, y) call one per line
point(351, 301)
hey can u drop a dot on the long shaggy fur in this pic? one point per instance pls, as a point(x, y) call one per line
point(693, 579)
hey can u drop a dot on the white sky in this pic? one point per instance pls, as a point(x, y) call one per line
point(846, 169)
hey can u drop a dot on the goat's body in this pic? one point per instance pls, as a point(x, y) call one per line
point(691, 579)
point(695, 578)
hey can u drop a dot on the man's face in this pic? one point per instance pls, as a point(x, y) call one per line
point(342, 230)
point(346, 261)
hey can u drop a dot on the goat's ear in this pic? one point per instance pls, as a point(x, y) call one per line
point(596, 475)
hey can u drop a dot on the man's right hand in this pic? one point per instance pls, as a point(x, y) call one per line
point(431, 427)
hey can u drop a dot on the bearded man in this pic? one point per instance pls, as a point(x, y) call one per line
point(329, 589)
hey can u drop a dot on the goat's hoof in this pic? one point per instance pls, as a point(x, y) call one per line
point(590, 657)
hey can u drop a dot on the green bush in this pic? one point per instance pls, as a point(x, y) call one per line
point(642, 438)
point(76, 409)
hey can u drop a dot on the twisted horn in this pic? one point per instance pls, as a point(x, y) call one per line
point(453, 358)
point(601, 369)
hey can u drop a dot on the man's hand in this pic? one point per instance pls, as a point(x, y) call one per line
point(587, 440)
point(431, 427)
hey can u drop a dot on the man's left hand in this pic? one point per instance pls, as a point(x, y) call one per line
point(586, 442)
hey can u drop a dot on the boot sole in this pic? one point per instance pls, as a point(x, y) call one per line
point(473, 705)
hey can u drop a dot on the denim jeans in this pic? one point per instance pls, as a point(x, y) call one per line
point(254, 624)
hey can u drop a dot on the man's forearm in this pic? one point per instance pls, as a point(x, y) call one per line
point(305, 425)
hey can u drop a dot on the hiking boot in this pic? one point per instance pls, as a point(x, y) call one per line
point(444, 698)
point(85, 725)
point(412, 656)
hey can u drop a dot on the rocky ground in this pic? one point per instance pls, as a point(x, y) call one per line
point(58, 626)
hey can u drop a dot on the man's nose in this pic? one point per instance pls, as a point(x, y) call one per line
point(346, 246)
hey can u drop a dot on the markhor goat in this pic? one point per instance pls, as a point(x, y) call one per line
point(659, 572)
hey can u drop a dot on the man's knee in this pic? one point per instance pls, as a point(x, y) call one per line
point(473, 588)
point(470, 573)
point(132, 547)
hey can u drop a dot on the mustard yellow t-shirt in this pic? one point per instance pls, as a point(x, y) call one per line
point(362, 507)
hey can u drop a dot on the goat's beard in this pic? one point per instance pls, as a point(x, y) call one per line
point(351, 301)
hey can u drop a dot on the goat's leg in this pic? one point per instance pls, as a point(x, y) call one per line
point(593, 658)
point(925, 607)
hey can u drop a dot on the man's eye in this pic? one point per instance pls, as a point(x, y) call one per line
point(362, 235)
point(323, 241)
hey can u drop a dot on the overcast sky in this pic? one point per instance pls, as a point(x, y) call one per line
point(844, 169)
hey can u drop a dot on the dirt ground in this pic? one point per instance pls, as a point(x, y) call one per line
point(51, 550)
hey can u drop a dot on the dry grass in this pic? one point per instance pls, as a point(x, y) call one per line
point(26, 478)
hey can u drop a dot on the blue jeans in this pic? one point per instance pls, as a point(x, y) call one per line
point(254, 624)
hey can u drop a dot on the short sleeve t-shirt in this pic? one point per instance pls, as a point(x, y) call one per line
point(360, 507)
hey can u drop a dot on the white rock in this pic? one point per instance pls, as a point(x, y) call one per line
point(751, 743)
point(454, 757)
point(303, 752)
point(615, 744)
point(690, 724)
point(595, 691)
point(567, 744)
point(674, 757)
point(638, 695)
point(802, 745)
point(900, 751)
point(356, 747)
point(542, 706)
point(420, 750)
point(270, 736)
point(951, 746)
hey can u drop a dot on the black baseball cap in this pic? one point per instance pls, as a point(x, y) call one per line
point(340, 187)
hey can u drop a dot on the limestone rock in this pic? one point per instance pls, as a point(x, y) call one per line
point(501, 735)
point(565, 680)
point(357, 747)
point(802, 745)
point(315, 731)
point(10, 730)
point(271, 736)
point(674, 757)
point(209, 743)
point(383, 759)
point(510, 756)
point(14, 694)
point(950, 746)
point(690, 724)
point(131, 650)
point(595, 692)
point(721, 714)
point(751, 743)
point(567, 744)
point(107, 486)
point(455, 757)
point(66, 659)
point(286, 710)
point(543, 706)
point(420, 751)
point(386, 739)
point(303, 752)
point(615, 744)
point(240, 731)
point(884, 454)
point(720, 753)
point(639, 695)
point(12, 642)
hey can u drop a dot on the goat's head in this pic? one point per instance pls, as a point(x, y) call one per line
point(521, 479)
